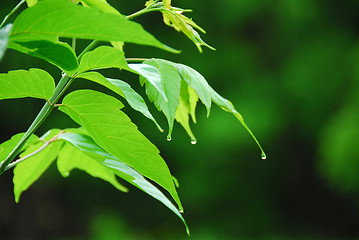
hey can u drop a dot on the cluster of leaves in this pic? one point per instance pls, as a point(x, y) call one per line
point(107, 144)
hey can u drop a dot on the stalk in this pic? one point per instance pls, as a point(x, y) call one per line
point(40, 118)
point(61, 87)
point(12, 11)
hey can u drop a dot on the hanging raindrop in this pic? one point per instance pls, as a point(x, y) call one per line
point(193, 142)
point(169, 138)
point(264, 157)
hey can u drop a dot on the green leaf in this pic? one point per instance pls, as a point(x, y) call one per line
point(171, 75)
point(88, 146)
point(71, 158)
point(228, 106)
point(187, 107)
point(65, 19)
point(57, 53)
point(21, 83)
point(171, 82)
point(182, 100)
point(31, 3)
point(124, 90)
point(28, 171)
point(103, 57)
point(7, 147)
point(4, 39)
point(196, 81)
point(99, 114)
point(151, 75)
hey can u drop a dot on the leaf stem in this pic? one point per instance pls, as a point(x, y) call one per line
point(44, 112)
point(13, 164)
point(136, 59)
point(88, 48)
point(74, 44)
point(149, 8)
point(12, 11)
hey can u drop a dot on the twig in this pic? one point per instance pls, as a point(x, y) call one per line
point(14, 163)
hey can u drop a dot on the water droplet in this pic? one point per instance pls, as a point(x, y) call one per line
point(264, 157)
point(63, 74)
point(181, 211)
point(193, 142)
point(169, 138)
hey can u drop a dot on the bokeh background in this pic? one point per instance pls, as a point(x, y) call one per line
point(289, 66)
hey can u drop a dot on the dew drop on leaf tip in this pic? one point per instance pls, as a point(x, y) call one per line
point(193, 142)
point(169, 138)
point(264, 157)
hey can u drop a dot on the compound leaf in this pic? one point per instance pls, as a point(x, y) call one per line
point(71, 158)
point(28, 171)
point(34, 83)
point(65, 19)
point(99, 114)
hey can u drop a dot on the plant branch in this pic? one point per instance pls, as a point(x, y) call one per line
point(12, 11)
point(40, 118)
point(61, 87)
point(13, 164)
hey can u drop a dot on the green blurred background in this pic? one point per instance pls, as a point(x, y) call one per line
point(289, 66)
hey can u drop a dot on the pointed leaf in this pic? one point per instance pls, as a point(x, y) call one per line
point(134, 99)
point(196, 81)
point(4, 39)
point(187, 106)
point(57, 53)
point(71, 158)
point(124, 90)
point(88, 146)
point(99, 114)
point(28, 171)
point(21, 83)
point(103, 57)
point(7, 147)
point(228, 106)
point(65, 19)
point(171, 82)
